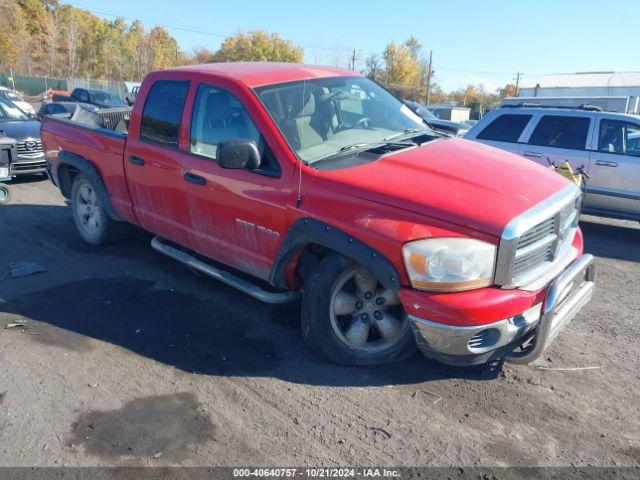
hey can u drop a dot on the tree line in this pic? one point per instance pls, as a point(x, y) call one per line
point(46, 38)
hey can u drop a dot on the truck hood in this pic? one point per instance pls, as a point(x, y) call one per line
point(21, 130)
point(454, 180)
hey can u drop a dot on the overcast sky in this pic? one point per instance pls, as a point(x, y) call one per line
point(482, 41)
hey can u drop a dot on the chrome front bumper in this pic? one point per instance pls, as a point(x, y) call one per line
point(566, 295)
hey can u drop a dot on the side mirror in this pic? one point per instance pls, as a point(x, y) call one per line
point(239, 153)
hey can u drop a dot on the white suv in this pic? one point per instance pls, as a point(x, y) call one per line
point(606, 145)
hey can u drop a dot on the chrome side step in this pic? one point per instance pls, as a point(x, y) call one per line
point(226, 277)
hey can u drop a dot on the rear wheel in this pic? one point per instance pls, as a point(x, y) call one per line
point(92, 221)
point(349, 317)
point(5, 194)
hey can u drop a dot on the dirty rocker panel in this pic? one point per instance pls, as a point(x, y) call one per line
point(305, 231)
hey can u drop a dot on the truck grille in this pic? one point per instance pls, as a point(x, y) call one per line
point(527, 252)
point(30, 148)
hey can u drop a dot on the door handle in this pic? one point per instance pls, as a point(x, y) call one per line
point(136, 161)
point(606, 163)
point(532, 154)
point(195, 179)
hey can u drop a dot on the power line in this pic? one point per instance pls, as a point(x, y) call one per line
point(220, 34)
point(450, 69)
point(184, 28)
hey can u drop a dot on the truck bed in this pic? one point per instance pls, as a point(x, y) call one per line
point(102, 147)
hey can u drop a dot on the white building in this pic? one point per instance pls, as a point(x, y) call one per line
point(589, 87)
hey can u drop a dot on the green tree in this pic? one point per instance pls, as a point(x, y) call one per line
point(258, 46)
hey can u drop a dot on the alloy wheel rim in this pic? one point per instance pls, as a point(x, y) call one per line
point(88, 209)
point(365, 316)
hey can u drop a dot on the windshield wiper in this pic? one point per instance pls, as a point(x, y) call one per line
point(355, 145)
point(361, 147)
point(406, 132)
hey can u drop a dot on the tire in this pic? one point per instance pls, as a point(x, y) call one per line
point(330, 291)
point(94, 224)
point(5, 194)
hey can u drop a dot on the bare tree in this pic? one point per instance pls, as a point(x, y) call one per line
point(73, 32)
point(52, 42)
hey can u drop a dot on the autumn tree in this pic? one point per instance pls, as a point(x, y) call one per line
point(403, 68)
point(258, 46)
point(46, 38)
point(509, 90)
point(201, 55)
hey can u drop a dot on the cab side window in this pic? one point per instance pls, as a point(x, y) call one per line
point(619, 137)
point(162, 112)
point(82, 95)
point(505, 128)
point(218, 116)
point(559, 131)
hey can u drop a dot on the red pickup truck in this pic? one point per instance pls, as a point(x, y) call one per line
point(286, 180)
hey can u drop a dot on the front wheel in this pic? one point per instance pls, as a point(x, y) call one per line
point(5, 194)
point(350, 318)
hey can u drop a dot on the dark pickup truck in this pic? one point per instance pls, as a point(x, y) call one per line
point(316, 182)
point(100, 98)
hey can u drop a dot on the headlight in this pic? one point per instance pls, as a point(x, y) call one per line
point(449, 264)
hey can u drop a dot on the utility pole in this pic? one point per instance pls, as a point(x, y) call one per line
point(518, 74)
point(353, 60)
point(429, 73)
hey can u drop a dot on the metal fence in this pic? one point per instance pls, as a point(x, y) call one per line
point(36, 86)
point(32, 86)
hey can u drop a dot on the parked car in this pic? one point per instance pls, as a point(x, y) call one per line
point(604, 144)
point(7, 155)
point(26, 131)
point(130, 97)
point(61, 108)
point(453, 129)
point(17, 100)
point(99, 98)
point(320, 183)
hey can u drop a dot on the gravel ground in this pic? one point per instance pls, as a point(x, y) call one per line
point(128, 358)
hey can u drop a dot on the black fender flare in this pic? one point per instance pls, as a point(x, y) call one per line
point(81, 164)
point(305, 231)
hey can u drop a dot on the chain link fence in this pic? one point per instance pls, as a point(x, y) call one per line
point(37, 86)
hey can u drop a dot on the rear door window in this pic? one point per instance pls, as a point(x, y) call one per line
point(559, 131)
point(162, 112)
point(505, 128)
point(622, 138)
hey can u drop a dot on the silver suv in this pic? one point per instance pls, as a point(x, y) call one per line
point(606, 145)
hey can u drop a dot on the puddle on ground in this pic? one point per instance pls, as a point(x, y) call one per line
point(166, 427)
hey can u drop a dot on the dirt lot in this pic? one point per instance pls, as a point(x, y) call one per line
point(128, 358)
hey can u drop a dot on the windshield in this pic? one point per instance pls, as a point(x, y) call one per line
point(426, 114)
point(326, 116)
point(11, 96)
point(103, 97)
point(9, 112)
